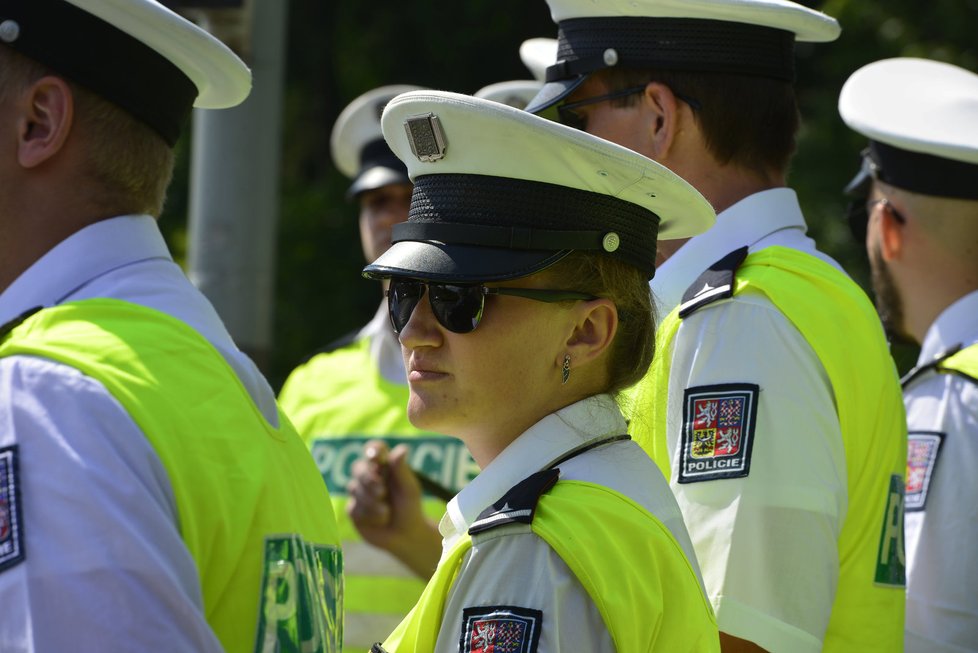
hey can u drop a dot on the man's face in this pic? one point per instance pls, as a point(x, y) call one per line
point(380, 209)
point(623, 125)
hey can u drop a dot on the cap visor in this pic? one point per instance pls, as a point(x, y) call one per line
point(552, 93)
point(861, 184)
point(376, 177)
point(458, 263)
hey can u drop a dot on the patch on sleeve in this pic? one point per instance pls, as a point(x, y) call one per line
point(500, 629)
point(718, 431)
point(922, 450)
point(11, 527)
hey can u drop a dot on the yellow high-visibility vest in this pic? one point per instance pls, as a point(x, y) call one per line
point(629, 563)
point(253, 510)
point(964, 362)
point(868, 610)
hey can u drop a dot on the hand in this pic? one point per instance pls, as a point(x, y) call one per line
point(385, 507)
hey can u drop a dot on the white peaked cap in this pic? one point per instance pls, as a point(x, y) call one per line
point(500, 193)
point(921, 118)
point(137, 54)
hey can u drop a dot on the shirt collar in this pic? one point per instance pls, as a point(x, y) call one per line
point(78, 259)
point(385, 348)
point(954, 326)
point(747, 222)
point(583, 422)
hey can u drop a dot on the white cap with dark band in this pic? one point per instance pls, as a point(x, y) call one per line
point(500, 193)
point(357, 143)
point(921, 117)
point(746, 37)
point(137, 54)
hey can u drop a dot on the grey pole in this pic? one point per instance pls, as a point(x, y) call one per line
point(234, 187)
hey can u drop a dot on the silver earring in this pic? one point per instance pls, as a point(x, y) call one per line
point(565, 371)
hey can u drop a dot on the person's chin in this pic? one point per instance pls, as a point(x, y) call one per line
point(428, 411)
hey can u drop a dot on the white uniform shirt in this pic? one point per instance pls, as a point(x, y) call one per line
point(521, 569)
point(105, 568)
point(766, 542)
point(942, 494)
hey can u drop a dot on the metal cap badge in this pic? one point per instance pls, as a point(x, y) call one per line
point(426, 137)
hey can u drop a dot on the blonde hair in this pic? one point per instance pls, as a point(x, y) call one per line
point(130, 163)
point(600, 275)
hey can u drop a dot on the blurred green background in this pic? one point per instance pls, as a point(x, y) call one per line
point(338, 50)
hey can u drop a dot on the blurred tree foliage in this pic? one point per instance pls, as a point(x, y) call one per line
point(338, 50)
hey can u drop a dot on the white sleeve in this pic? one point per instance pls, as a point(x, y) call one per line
point(942, 515)
point(516, 579)
point(765, 529)
point(103, 568)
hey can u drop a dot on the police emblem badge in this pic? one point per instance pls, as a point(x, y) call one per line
point(718, 431)
point(11, 526)
point(500, 629)
point(922, 450)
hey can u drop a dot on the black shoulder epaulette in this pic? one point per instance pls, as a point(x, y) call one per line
point(714, 284)
point(339, 343)
point(17, 321)
point(931, 365)
point(519, 504)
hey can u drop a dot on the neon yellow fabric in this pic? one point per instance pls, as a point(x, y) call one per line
point(654, 605)
point(338, 400)
point(341, 393)
point(866, 615)
point(244, 490)
point(964, 361)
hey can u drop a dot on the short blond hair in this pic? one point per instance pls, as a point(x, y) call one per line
point(130, 163)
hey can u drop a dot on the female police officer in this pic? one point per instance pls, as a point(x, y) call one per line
point(518, 288)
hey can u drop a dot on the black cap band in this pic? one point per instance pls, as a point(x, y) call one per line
point(689, 44)
point(378, 153)
point(379, 167)
point(102, 58)
point(505, 213)
point(923, 173)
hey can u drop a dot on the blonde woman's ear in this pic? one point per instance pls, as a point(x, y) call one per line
point(594, 330)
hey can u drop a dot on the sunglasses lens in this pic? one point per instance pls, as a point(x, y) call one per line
point(457, 308)
point(858, 218)
point(402, 298)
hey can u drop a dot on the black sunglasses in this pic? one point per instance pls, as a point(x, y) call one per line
point(857, 214)
point(459, 308)
point(568, 115)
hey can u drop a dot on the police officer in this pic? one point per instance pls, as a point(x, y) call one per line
point(786, 461)
point(919, 191)
point(354, 392)
point(151, 495)
point(519, 290)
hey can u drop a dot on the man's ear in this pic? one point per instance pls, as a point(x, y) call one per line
point(663, 106)
point(594, 330)
point(45, 120)
point(892, 233)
